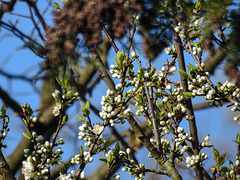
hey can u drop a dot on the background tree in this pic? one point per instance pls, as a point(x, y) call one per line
point(75, 53)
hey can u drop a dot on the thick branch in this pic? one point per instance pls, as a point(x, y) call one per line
point(5, 172)
point(189, 107)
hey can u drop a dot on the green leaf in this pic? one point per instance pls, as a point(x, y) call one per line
point(224, 169)
point(170, 107)
point(216, 154)
point(227, 25)
point(56, 5)
point(68, 94)
point(104, 160)
point(139, 98)
point(121, 58)
point(54, 135)
point(160, 115)
point(124, 95)
point(66, 83)
point(116, 149)
point(151, 72)
point(219, 84)
point(121, 55)
point(81, 149)
point(26, 136)
point(219, 159)
point(139, 89)
point(82, 105)
point(231, 164)
point(198, 5)
point(109, 158)
point(159, 105)
point(182, 73)
point(149, 122)
point(88, 104)
point(190, 66)
point(238, 138)
point(107, 143)
point(85, 112)
point(188, 95)
point(65, 119)
point(59, 81)
point(81, 118)
point(3, 111)
point(170, 128)
point(141, 73)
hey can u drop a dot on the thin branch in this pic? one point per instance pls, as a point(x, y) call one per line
point(24, 38)
point(110, 39)
point(35, 24)
point(34, 6)
point(149, 92)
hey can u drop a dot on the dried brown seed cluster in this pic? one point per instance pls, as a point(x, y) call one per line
point(87, 17)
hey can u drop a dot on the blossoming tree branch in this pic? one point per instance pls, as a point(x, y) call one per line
point(154, 103)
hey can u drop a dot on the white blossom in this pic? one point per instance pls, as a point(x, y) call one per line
point(98, 129)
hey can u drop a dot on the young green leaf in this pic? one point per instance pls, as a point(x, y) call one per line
point(81, 118)
point(103, 160)
point(160, 115)
point(82, 105)
point(88, 104)
point(56, 5)
point(238, 138)
point(182, 73)
point(219, 159)
point(65, 119)
point(3, 111)
point(26, 136)
point(159, 105)
point(188, 95)
point(227, 25)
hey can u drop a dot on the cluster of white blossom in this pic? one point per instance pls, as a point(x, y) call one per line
point(71, 176)
point(195, 159)
point(28, 169)
point(194, 29)
point(77, 159)
point(184, 149)
point(181, 138)
point(115, 72)
point(164, 130)
point(56, 109)
point(56, 94)
point(111, 103)
point(136, 171)
point(206, 142)
point(5, 129)
point(168, 50)
point(67, 98)
point(86, 133)
point(37, 164)
point(116, 176)
point(198, 86)
point(141, 108)
point(107, 112)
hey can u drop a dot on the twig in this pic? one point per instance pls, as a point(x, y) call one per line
point(35, 24)
point(149, 94)
point(110, 39)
